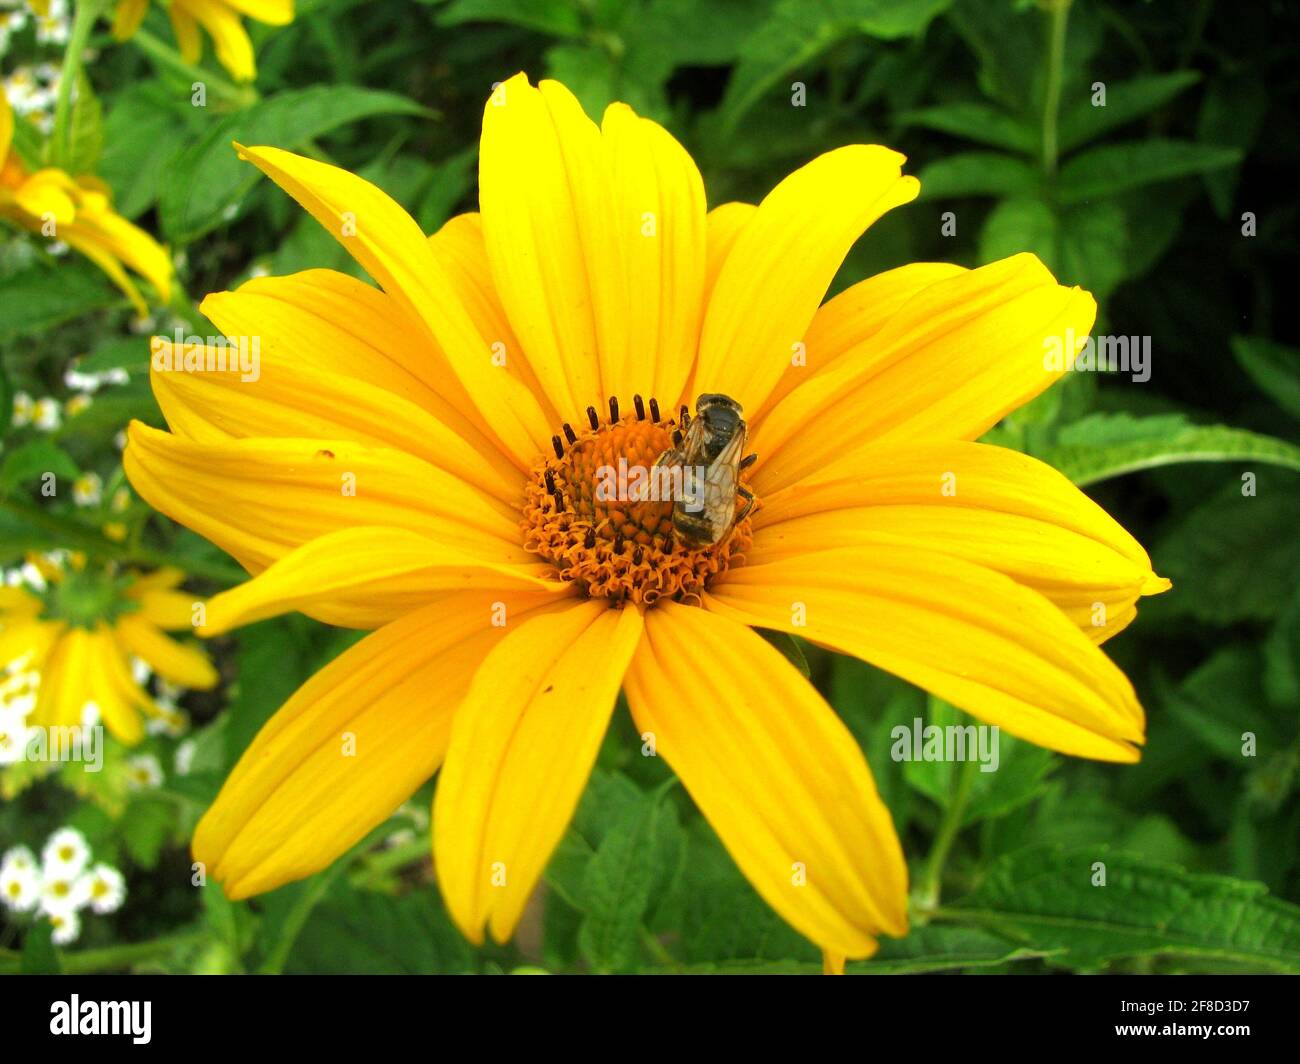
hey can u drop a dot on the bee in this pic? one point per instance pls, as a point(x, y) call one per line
point(713, 441)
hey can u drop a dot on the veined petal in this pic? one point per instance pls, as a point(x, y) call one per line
point(385, 240)
point(958, 356)
point(660, 210)
point(364, 578)
point(260, 498)
point(284, 397)
point(188, 39)
point(340, 324)
point(783, 261)
point(169, 610)
point(103, 669)
point(522, 747)
point(853, 317)
point(234, 49)
point(775, 772)
point(61, 696)
point(988, 505)
point(185, 665)
point(969, 635)
point(272, 12)
point(349, 747)
point(725, 223)
point(550, 226)
point(25, 642)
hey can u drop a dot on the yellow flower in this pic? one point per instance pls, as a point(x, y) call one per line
point(79, 212)
point(418, 460)
point(221, 20)
point(76, 640)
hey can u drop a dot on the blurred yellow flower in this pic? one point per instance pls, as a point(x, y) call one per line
point(79, 212)
point(420, 460)
point(73, 641)
point(221, 20)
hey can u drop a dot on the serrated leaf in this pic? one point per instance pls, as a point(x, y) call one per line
point(1125, 101)
point(1110, 445)
point(1274, 367)
point(979, 122)
point(978, 173)
point(1044, 899)
point(1115, 168)
point(207, 178)
point(797, 31)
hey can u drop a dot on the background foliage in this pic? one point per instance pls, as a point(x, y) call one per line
point(1143, 201)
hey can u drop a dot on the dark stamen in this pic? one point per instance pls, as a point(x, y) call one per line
point(550, 482)
point(618, 542)
point(613, 409)
point(669, 543)
point(559, 447)
point(654, 409)
point(686, 416)
point(636, 555)
point(569, 434)
point(639, 403)
point(559, 499)
point(591, 416)
point(677, 438)
point(589, 540)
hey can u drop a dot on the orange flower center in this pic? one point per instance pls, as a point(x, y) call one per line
point(601, 512)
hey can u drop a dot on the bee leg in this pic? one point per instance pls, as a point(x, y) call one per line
point(748, 496)
point(748, 461)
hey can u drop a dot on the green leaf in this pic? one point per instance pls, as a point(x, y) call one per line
point(979, 122)
point(1114, 168)
point(560, 18)
point(1125, 101)
point(32, 461)
point(789, 647)
point(85, 132)
point(39, 955)
point(1081, 245)
point(207, 178)
point(142, 132)
point(1274, 367)
point(358, 932)
point(1044, 899)
point(1235, 556)
point(978, 173)
point(797, 31)
point(146, 827)
point(617, 882)
point(43, 296)
point(1109, 445)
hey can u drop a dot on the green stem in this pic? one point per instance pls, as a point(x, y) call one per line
point(378, 865)
point(931, 882)
point(111, 958)
point(237, 96)
point(1059, 13)
point(83, 22)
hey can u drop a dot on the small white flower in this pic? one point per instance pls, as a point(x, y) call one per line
point(119, 440)
point(22, 409)
point(78, 404)
point(170, 692)
point(64, 894)
point(171, 721)
point(19, 857)
point(116, 375)
point(140, 671)
point(46, 414)
point(67, 927)
point(65, 854)
point(145, 772)
point(14, 736)
point(88, 490)
point(106, 888)
point(20, 888)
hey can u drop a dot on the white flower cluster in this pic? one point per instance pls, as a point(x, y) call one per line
point(44, 414)
point(32, 90)
point(62, 885)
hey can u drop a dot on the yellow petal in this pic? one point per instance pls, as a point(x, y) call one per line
point(62, 696)
point(853, 317)
point(186, 28)
point(177, 662)
point(169, 610)
point(385, 240)
point(783, 261)
point(234, 49)
point(330, 321)
point(958, 356)
point(349, 747)
point(364, 578)
point(659, 203)
point(775, 772)
point(259, 498)
point(725, 223)
point(272, 393)
point(972, 636)
point(127, 18)
point(103, 676)
point(272, 12)
point(6, 127)
point(988, 505)
point(522, 747)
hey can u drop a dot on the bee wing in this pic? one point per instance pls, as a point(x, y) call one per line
point(721, 478)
